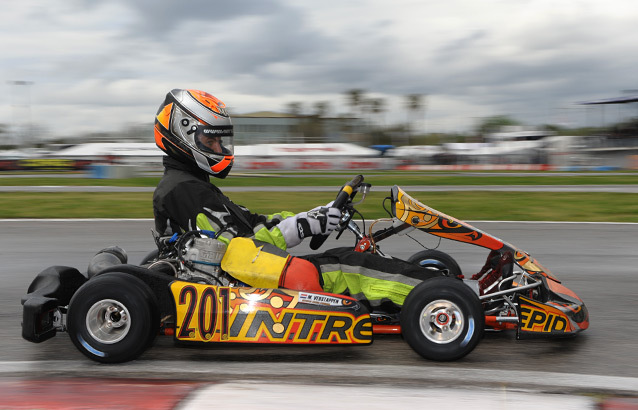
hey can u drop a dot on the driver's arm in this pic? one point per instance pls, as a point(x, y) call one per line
point(194, 206)
point(284, 229)
point(261, 227)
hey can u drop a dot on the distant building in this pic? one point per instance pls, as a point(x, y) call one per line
point(270, 127)
point(517, 133)
point(263, 127)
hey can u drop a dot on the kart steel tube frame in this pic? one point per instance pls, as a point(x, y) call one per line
point(513, 290)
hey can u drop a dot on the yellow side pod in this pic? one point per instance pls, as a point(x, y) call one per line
point(258, 264)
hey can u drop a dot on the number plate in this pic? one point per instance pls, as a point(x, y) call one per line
point(207, 313)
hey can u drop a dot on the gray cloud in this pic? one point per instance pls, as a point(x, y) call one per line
point(97, 64)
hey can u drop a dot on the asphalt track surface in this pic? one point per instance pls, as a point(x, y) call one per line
point(598, 261)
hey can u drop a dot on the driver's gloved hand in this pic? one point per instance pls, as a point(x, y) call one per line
point(317, 221)
point(321, 221)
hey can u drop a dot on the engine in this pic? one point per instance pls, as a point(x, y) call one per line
point(201, 261)
point(194, 256)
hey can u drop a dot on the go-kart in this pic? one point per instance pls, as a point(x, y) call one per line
point(200, 290)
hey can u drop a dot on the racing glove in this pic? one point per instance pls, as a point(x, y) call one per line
point(317, 221)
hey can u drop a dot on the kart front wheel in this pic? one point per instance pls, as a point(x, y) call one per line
point(436, 261)
point(113, 318)
point(442, 319)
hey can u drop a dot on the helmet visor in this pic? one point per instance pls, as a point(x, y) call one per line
point(214, 139)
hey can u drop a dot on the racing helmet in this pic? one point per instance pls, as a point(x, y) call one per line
point(193, 127)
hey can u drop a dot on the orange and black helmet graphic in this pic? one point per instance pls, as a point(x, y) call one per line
point(194, 127)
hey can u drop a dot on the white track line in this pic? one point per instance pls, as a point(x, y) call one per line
point(246, 395)
point(429, 375)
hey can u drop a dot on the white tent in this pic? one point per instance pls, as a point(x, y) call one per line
point(94, 150)
point(305, 150)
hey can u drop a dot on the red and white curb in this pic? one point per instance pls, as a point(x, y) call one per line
point(90, 393)
point(276, 396)
point(142, 384)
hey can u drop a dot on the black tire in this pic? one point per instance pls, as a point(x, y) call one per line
point(150, 257)
point(434, 260)
point(442, 319)
point(121, 335)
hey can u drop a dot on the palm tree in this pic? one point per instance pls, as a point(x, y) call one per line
point(322, 108)
point(355, 98)
point(376, 106)
point(294, 108)
point(415, 104)
point(373, 110)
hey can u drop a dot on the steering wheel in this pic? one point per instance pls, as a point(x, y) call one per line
point(342, 199)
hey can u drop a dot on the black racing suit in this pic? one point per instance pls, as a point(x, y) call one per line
point(185, 200)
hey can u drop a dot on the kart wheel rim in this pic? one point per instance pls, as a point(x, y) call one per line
point(441, 321)
point(108, 321)
point(434, 265)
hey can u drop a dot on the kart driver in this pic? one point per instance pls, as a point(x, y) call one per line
point(195, 131)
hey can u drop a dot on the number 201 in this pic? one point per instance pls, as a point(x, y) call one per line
point(209, 301)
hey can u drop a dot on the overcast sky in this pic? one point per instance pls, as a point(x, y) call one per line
point(104, 65)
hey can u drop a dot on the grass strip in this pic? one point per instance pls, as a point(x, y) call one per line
point(467, 205)
point(375, 178)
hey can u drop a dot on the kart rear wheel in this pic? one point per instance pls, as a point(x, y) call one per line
point(442, 319)
point(113, 318)
point(435, 260)
point(150, 257)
